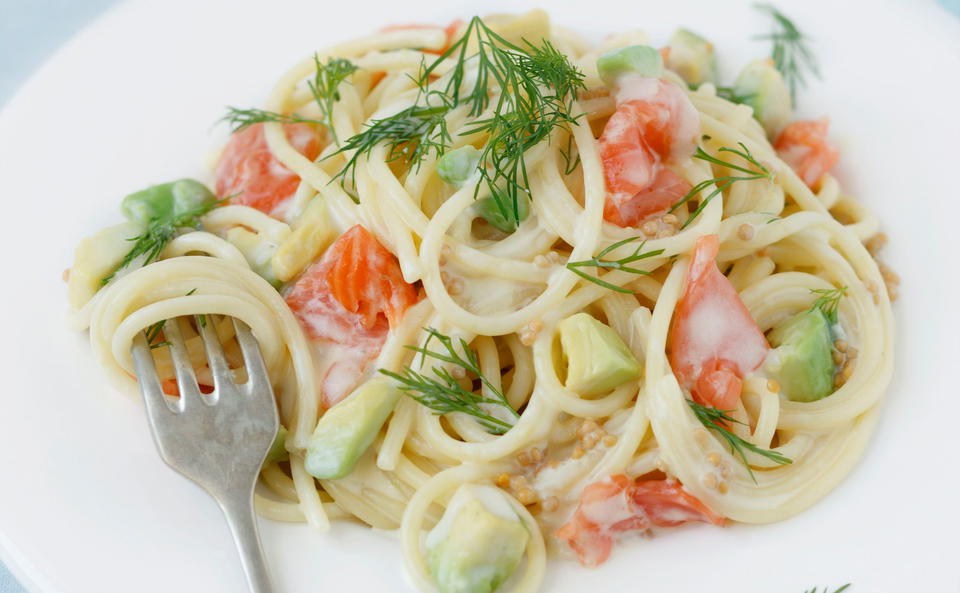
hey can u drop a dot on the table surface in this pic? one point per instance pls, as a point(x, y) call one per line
point(30, 31)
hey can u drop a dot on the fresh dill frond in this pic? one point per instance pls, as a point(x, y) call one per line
point(159, 232)
point(242, 118)
point(827, 589)
point(325, 84)
point(444, 394)
point(790, 53)
point(323, 87)
point(720, 184)
point(829, 301)
point(619, 264)
point(410, 135)
point(714, 420)
point(537, 85)
point(153, 332)
point(569, 165)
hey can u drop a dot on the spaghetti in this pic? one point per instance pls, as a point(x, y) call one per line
point(342, 249)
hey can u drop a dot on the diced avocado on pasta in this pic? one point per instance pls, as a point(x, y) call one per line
point(763, 88)
point(692, 57)
point(488, 209)
point(803, 359)
point(258, 251)
point(478, 543)
point(348, 428)
point(635, 59)
point(96, 257)
point(597, 359)
point(458, 165)
point(278, 450)
point(312, 233)
point(165, 201)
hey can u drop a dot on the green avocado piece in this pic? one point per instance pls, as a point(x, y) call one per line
point(692, 57)
point(96, 257)
point(478, 543)
point(763, 88)
point(349, 427)
point(457, 165)
point(488, 209)
point(635, 59)
point(165, 200)
point(597, 359)
point(804, 356)
point(278, 450)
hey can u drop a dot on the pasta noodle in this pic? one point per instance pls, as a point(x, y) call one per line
point(507, 296)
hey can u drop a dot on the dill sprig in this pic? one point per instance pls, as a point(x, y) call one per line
point(720, 184)
point(619, 264)
point(242, 118)
point(790, 53)
point(569, 165)
point(159, 232)
point(829, 301)
point(153, 332)
point(537, 87)
point(410, 134)
point(446, 395)
point(715, 420)
point(826, 589)
point(325, 84)
point(324, 88)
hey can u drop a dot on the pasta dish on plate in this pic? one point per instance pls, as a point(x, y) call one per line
point(521, 294)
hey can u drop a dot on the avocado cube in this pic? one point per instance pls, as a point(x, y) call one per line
point(96, 257)
point(478, 543)
point(763, 88)
point(803, 359)
point(348, 428)
point(597, 359)
point(692, 57)
point(635, 59)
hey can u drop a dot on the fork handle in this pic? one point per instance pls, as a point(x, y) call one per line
point(243, 525)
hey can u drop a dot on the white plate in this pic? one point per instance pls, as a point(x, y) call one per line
point(86, 505)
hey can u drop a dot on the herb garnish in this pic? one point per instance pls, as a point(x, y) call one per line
point(829, 301)
point(537, 85)
point(620, 264)
point(825, 589)
point(723, 181)
point(410, 135)
point(159, 232)
point(790, 53)
point(153, 332)
point(714, 420)
point(326, 81)
point(447, 395)
point(242, 118)
point(323, 87)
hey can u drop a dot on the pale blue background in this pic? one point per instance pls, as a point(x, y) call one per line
point(31, 30)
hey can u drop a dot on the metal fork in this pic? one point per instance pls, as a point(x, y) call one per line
point(218, 440)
